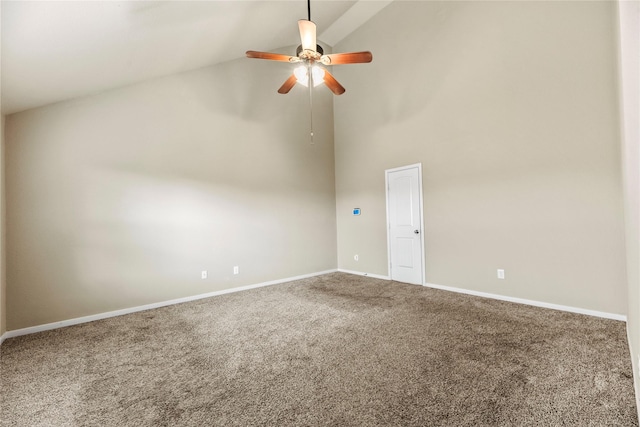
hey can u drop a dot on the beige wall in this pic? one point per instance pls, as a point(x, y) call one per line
point(3, 282)
point(511, 107)
point(121, 199)
point(629, 26)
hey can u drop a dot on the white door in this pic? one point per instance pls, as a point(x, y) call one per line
point(404, 217)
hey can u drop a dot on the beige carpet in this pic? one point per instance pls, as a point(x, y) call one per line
point(337, 350)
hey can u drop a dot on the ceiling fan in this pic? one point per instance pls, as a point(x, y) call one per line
point(310, 56)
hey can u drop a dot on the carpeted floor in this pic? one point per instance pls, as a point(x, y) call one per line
point(337, 350)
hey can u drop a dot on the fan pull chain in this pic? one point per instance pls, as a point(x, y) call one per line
point(311, 103)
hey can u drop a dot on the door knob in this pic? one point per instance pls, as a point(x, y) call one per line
point(416, 231)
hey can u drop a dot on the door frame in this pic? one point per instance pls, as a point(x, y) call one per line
point(420, 205)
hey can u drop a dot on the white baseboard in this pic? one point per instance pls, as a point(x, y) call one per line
point(359, 273)
point(100, 316)
point(570, 309)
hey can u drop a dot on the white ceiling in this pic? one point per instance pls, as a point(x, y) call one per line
point(58, 50)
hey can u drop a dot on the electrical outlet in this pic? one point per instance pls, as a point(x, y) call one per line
point(236, 270)
point(500, 273)
point(355, 257)
point(204, 274)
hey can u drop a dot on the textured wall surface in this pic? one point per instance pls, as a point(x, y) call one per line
point(3, 257)
point(512, 109)
point(121, 199)
point(629, 21)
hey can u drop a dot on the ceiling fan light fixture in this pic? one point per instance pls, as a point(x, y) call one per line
point(318, 75)
point(302, 75)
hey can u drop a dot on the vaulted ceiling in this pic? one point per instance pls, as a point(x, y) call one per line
point(55, 50)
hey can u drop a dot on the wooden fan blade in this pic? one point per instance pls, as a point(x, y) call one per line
point(333, 84)
point(286, 87)
point(307, 34)
point(347, 58)
point(270, 56)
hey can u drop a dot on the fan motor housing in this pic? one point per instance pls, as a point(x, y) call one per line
point(318, 49)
